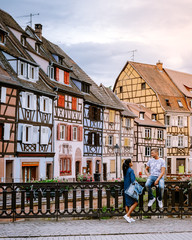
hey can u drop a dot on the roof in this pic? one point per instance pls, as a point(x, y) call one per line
point(182, 80)
point(137, 108)
point(161, 84)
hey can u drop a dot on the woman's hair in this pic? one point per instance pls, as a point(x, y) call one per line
point(126, 166)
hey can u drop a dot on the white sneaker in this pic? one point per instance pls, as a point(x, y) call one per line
point(132, 220)
point(150, 203)
point(127, 218)
point(160, 203)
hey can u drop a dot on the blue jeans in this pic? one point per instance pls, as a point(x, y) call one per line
point(150, 183)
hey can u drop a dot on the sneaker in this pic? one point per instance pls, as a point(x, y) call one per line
point(132, 220)
point(150, 203)
point(160, 203)
point(127, 218)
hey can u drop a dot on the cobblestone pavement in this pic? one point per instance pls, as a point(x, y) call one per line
point(115, 228)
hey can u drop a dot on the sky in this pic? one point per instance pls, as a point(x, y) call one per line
point(100, 35)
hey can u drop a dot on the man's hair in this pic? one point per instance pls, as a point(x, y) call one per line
point(155, 150)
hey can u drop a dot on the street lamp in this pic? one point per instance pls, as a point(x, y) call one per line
point(116, 150)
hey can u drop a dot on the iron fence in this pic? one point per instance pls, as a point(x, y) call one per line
point(86, 199)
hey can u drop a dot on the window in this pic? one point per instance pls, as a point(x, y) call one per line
point(37, 48)
point(110, 141)
point(75, 133)
point(143, 86)
point(141, 115)
point(111, 116)
point(27, 134)
point(147, 133)
point(168, 141)
point(65, 166)
point(167, 120)
point(28, 100)
point(121, 89)
point(50, 71)
point(147, 151)
point(32, 72)
point(180, 121)
point(85, 87)
point(159, 134)
point(61, 101)
point(94, 113)
point(154, 117)
point(180, 141)
point(45, 104)
point(127, 122)
point(2, 38)
point(160, 152)
point(23, 40)
point(1, 131)
point(167, 102)
point(62, 132)
point(60, 60)
point(3, 94)
point(44, 135)
point(180, 103)
point(22, 72)
point(93, 139)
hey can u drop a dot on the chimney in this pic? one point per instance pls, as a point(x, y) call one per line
point(38, 30)
point(159, 65)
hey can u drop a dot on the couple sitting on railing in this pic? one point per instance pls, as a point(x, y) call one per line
point(132, 188)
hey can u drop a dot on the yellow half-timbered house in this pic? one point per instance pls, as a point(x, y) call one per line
point(151, 86)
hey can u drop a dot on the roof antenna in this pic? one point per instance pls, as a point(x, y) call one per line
point(133, 54)
point(30, 15)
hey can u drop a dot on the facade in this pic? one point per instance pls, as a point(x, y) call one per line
point(148, 133)
point(117, 134)
point(33, 146)
point(151, 86)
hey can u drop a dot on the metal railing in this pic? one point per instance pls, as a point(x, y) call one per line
point(86, 199)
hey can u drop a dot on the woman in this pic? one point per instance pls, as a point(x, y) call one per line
point(129, 177)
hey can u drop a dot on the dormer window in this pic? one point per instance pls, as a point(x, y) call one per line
point(180, 103)
point(154, 117)
point(141, 115)
point(60, 60)
point(27, 71)
point(85, 87)
point(23, 40)
point(50, 72)
point(167, 102)
point(3, 35)
point(37, 48)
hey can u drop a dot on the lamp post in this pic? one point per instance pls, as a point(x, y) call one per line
point(116, 150)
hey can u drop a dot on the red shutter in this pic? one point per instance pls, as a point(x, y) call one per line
point(68, 132)
point(58, 131)
point(57, 74)
point(74, 103)
point(66, 78)
point(80, 133)
point(71, 133)
point(61, 101)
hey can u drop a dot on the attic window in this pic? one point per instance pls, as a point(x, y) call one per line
point(121, 89)
point(154, 117)
point(37, 48)
point(23, 40)
point(2, 38)
point(143, 86)
point(180, 103)
point(85, 88)
point(60, 60)
point(167, 102)
point(141, 115)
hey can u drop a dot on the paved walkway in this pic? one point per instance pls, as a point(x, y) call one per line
point(116, 228)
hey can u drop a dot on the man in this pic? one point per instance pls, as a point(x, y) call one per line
point(155, 177)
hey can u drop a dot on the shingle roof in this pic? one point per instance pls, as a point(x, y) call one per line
point(137, 108)
point(182, 80)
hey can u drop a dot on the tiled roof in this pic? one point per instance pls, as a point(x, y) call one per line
point(137, 108)
point(182, 80)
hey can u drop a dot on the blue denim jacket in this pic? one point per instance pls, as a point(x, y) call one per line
point(134, 190)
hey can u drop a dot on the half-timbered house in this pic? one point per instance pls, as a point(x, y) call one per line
point(151, 86)
point(117, 134)
point(33, 150)
point(148, 133)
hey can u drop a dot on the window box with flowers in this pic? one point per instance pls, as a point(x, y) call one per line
point(84, 178)
point(147, 138)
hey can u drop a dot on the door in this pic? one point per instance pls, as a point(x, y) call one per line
point(9, 171)
point(49, 171)
point(77, 168)
point(105, 171)
point(169, 165)
point(180, 165)
point(29, 174)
